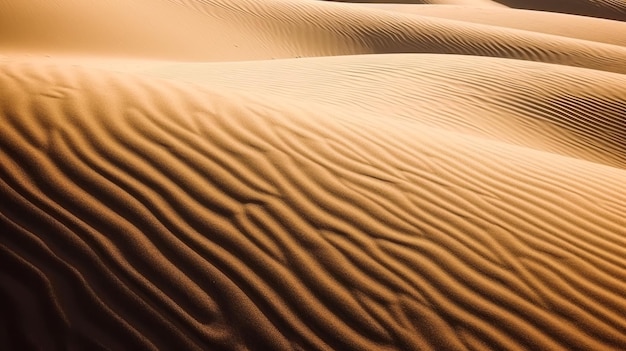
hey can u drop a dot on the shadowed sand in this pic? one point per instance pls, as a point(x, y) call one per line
point(579, 27)
point(461, 187)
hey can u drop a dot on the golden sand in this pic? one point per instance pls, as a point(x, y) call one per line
point(312, 175)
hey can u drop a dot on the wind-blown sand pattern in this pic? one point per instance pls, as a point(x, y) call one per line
point(460, 187)
point(580, 27)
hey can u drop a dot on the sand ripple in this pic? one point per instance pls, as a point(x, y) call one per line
point(182, 217)
point(460, 187)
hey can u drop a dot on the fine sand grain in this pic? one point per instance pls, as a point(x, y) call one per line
point(311, 175)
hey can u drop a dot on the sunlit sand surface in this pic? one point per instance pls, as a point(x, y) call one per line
point(312, 175)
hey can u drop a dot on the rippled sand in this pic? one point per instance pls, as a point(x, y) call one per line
point(312, 175)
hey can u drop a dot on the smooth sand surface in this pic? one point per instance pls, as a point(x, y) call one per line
point(308, 175)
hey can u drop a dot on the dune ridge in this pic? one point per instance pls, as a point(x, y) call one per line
point(579, 27)
point(571, 111)
point(363, 31)
point(610, 9)
point(222, 220)
point(288, 29)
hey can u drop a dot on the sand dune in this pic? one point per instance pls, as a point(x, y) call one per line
point(233, 220)
point(610, 9)
point(111, 28)
point(289, 29)
point(461, 187)
point(579, 27)
point(481, 3)
point(570, 111)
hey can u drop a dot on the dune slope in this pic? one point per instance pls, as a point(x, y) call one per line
point(253, 30)
point(223, 221)
point(570, 111)
point(432, 182)
point(610, 9)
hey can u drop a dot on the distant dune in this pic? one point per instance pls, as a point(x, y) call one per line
point(579, 27)
point(312, 175)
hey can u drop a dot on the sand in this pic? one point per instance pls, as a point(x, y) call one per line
point(312, 175)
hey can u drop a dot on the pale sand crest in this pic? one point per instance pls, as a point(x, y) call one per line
point(422, 201)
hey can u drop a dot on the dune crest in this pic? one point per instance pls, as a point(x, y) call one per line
point(609, 9)
point(289, 29)
point(571, 111)
point(579, 27)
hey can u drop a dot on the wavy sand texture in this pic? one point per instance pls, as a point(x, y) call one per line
point(481, 3)
point(186, 219)
point(571, 111)
point(238, 30)
point(466, 195)
point(300, 24)
point(609, 9)
point(580, 27)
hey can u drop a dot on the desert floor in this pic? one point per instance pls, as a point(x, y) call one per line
point(312, 175)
